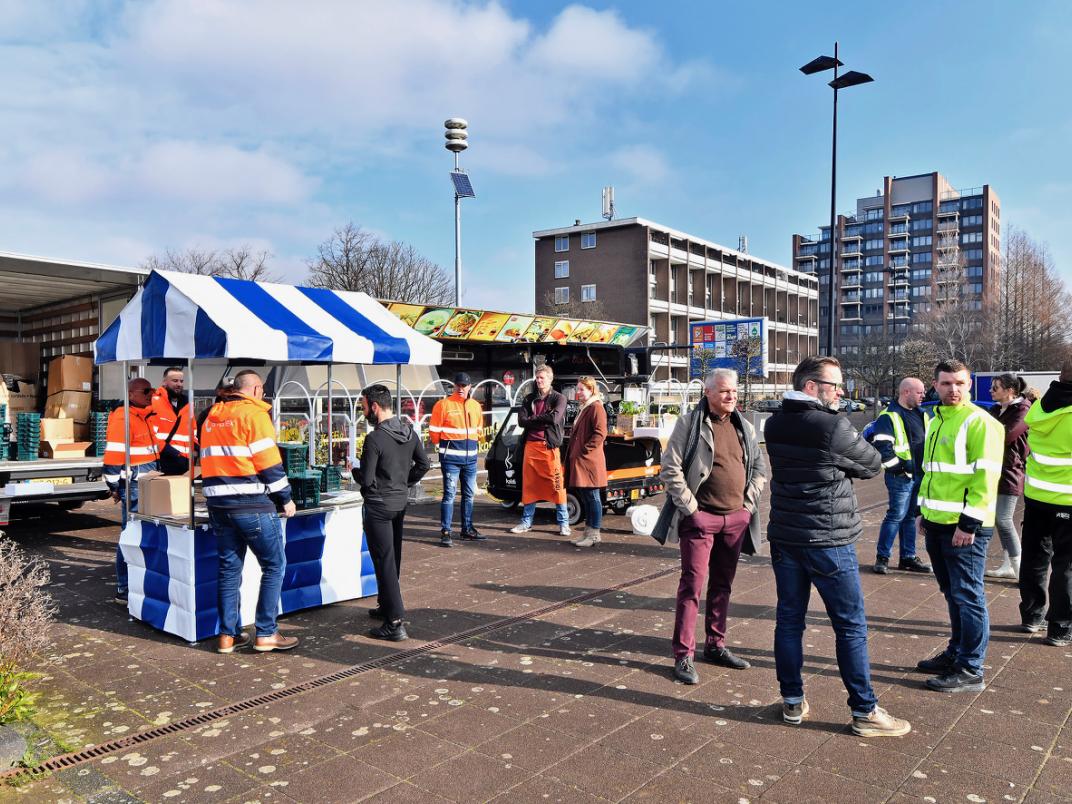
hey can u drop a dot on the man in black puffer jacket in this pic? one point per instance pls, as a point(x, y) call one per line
point(814, 524)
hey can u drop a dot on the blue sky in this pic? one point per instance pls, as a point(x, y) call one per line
point(131, 128)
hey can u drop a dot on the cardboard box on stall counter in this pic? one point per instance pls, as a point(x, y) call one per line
point(70, 373)
point(164, 495)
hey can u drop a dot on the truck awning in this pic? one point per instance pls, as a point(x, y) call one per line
point(181, 316)
point(30, 282)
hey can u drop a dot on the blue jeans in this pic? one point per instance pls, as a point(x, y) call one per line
point(836, 574)
point(529, 511)
point(959, 572)
point(262, 533)
point(121, 575)
point(592, 499)
point(451, 474)
point(900, 516)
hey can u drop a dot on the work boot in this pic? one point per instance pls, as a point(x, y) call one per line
point(957, 680)
point(226, 643)
point(685, 672)
point(1007, 569)
point(940, 665)
point(795, 712)
point(444, 538)
point(724, 658)
point(880, 723)
point(591, 537)
point(913, 564)
point(882, 566)
point(275, 642)
point(390, 631)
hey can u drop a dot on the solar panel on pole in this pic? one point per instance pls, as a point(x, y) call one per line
point(463, 188)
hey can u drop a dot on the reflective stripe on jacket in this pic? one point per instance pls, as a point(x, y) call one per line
point(164, 421)
point(142, 443)
point(890, 428)
point(455, 428)
point(1049, 466)
point(240, 462)
point(961, 464)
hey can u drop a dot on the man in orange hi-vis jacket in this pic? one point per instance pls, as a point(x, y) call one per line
point(171, 424)
point(245, 484)
point(455, 428)
point(142, 459)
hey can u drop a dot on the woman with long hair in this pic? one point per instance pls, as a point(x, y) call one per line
point(1011, 408)
point(587, 465)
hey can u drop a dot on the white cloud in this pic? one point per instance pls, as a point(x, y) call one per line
point(641, 163)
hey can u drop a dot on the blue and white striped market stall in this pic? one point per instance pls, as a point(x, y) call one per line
point(180, 318)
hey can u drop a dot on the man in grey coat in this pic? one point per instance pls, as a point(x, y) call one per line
point(716, 496)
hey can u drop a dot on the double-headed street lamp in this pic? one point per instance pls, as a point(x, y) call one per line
point(849, 79)
point(457, 135)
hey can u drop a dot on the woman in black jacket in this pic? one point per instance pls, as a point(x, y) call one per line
point(1011, 409)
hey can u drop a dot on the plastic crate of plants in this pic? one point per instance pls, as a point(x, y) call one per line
point(28, 435)
point(295, 457)
point(305, 489)
point(330, 478)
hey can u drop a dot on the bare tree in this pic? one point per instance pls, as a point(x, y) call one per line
point(745, 350)
point(917, 359)
point(1034, 315)
point(353, 259)
point(574, 308)
point(237, 263)
point(876, 363)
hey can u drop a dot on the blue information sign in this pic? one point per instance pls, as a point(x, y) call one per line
point(712, 343)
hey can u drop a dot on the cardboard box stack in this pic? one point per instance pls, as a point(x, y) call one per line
point(67, 408)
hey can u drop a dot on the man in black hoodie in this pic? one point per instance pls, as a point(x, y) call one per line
point(392, 460)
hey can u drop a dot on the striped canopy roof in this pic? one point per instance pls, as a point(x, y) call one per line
point(178, 316)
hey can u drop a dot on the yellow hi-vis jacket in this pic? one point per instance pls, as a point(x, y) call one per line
point(961, 467)
point(1048, 477)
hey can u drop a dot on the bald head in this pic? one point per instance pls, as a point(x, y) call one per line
point(910, 393)
point(139, 392)
point(249, 382)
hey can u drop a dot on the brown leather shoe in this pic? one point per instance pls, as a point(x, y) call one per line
point(275, 642)
point(229, 644)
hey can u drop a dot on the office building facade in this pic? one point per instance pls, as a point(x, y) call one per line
point(648, 274)
point(916, 243)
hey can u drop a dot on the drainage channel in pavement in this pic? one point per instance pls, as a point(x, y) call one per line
point(20, 776)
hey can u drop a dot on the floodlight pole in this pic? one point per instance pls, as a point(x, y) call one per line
point(831, 296)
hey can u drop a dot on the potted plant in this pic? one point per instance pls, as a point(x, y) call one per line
point(629, 414)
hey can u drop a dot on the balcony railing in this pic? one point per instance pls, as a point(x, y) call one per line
point(948, 226)
point(852, 251)
point(846, 236)
point(903, 246)
point(949, 211)
point(897, 216)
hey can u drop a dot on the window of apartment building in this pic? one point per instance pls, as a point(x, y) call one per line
point(850, 329)
point(561, 295)
point(873, 260)
point(975, 287)
point(854, 231)
point(588, 293)
point(900, 261)
point(921, 273)
point(809, 250)
point(922, 240)
point(921, 224)
point(921, 291)
point(921, 256)
point(588, 239)
point(994, 209)
point(921, 307)
point(971, 220)
point(561, 269)
point(873, 276)
point(974, 272)
point(874, 293)
point(561, 242)
point(973, 253)
point(922, 206)
point(898, 228)
point(871, 245)
point(876, 214)
point(824, 247)
point(873, 228)
point(975, 202)
point(971, 237)
point(872, 309)
point(824, 263)
point(900, 209)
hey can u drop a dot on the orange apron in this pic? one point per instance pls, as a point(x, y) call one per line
point(542, 478)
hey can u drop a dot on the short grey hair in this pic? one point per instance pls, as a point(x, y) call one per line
point(720, 373)
point(544, 368)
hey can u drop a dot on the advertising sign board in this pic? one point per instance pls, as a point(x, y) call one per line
point(712, 345)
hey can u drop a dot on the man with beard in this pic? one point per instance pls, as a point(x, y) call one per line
point(171, 423)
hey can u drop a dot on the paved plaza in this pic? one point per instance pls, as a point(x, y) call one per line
point(536, 672)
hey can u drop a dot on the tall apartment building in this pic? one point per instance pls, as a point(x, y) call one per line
point(915, 243)
point(648, 274)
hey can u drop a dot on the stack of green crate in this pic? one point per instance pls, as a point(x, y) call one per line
point(106, 406)
point(5, 433)
point(98, 433)
point(28, 435)
point(305, 489)
point(330, 478)
point(295, 457)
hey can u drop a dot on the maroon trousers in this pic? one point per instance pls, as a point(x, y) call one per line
point(710, 548)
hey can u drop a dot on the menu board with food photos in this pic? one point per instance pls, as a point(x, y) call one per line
point(487, 326)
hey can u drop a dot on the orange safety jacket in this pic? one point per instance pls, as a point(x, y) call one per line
point(164, 421)
point(142, 445)
point(241, 468)
point(455, 428)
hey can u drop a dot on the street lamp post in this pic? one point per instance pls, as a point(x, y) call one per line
point(457, 136)
point(849, 79)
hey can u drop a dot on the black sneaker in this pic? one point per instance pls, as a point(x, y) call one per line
point(957, 680)
point(685, 672)
point(473, 535)
point(913, 564)
point(1033, 626)
point(392, 632)
point(723, 657)
point(444, 538)
point(940, 665)
point(882, 566)
point(1058, 635)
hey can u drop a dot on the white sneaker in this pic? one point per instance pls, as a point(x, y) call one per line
point(564, 530)
point(521, 527)
point(1005, 570)
point(591, 537)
